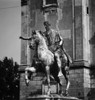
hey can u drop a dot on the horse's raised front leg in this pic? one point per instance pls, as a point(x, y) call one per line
point(27, 70)
point(48, 79)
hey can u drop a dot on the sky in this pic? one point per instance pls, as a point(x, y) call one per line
point(10, 29)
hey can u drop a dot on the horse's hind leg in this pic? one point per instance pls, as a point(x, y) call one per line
point(48, 79)
point(66, 75)
point(57, 79)
point(59, 64)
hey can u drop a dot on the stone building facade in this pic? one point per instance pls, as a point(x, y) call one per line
point(75, 21)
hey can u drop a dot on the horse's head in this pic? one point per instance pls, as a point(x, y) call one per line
point(37, 36)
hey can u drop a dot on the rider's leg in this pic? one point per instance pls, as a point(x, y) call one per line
point(59, 63)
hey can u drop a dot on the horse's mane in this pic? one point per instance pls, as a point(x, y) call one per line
point(41, 38)
point(41, 33)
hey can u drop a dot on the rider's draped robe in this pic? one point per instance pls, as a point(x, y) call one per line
point(53, 39)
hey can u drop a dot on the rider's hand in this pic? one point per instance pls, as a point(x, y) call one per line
point(20, 37)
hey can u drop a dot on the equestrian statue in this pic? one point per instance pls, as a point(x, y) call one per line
point(51, 57)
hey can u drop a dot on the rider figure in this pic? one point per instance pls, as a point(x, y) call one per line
point(54, 42)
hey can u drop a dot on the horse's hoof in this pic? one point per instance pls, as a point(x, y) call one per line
point(48, 93)
point(66, 93)
point(60, 92)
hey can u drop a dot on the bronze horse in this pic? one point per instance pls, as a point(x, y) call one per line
point(48, 63)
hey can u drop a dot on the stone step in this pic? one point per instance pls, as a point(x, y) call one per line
point(51, 97)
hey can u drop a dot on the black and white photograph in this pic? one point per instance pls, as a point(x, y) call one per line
point(47, 49)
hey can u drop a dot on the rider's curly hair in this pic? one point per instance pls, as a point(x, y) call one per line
point(46, 23)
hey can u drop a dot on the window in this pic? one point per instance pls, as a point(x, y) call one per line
point(49, 6)
point(23, 2)
point(49, 3)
